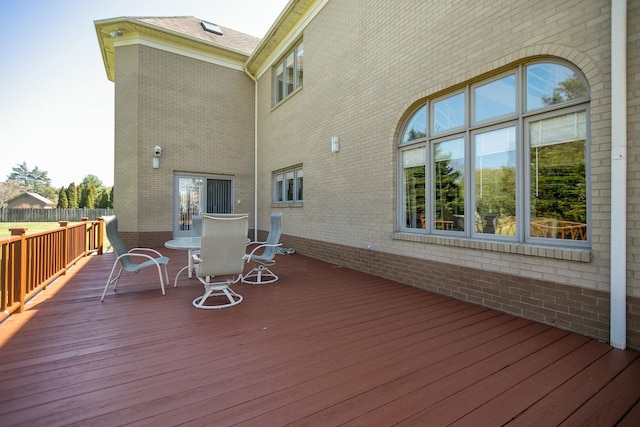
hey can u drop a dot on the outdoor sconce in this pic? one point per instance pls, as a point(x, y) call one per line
point(335, 144)
point(157, 152)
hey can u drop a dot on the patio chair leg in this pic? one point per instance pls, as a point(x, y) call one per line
point(166, 275)
point(115, 281)
point(160, 276)
point(109, 281)
point(260, 275)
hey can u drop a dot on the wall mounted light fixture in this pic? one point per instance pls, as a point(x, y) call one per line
point(335, 144)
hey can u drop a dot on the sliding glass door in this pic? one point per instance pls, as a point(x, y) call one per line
point(197, 194)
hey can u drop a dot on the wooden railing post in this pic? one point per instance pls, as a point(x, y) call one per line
point(100, 238)
point(87, 235)
point(20, 266)
point(65, 243)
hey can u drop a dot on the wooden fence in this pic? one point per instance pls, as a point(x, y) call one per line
point(50, 215)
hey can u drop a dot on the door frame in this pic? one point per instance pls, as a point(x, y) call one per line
point(178, 231)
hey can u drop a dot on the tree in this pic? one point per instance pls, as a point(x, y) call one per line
point(82, 196)
point(72, 196)
point(63, 202)
point(103, 199)
point(496, 191)
point(34, 181)
point(90, 202)
point(449, 190)
point(559, 191)
point(9, 190)
point(415, 195)
point(571, 88)
point(93, 180)
point(88, 196)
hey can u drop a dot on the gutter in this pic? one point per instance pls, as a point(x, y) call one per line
point(618, 325)
point(255, 153)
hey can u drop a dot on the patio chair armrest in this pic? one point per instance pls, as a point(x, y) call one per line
point(145, 250)
point(260, 246)
point(146, 256)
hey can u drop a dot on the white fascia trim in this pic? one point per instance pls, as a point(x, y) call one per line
point(178, 49)
point(291, 37)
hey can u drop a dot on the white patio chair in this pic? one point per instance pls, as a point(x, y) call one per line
point(223, 253)
point(260, 274)
point(125, 258)
point(196, 226)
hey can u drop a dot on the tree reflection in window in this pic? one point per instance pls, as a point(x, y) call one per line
point(417, 126)
point(558, 177)
point(551, 84)
point(495, 181)
point(519, 140)
point(414, 187)
point(449, 184)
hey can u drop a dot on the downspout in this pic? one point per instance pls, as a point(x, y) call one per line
point(255, 154)
point(618, 326)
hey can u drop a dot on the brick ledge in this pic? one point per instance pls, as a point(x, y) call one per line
point(566, 254)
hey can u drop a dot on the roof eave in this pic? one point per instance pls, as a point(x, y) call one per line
point(130, 26)
point(285, 22)
point(289, 25)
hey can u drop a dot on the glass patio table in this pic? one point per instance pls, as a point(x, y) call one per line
point(189, 244)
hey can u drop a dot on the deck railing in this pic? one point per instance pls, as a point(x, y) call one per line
point(30, 262)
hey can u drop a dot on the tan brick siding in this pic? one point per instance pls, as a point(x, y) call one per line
point(201, 114)
point(368, 63)
point(633, 152)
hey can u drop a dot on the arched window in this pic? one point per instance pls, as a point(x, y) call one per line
point(505, 159)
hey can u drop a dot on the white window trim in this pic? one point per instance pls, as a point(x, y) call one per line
point(283, 185)
point(282, 61)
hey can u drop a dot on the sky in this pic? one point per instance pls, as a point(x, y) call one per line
point(56, 103)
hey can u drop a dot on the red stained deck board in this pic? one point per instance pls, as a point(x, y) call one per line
point(324, 345)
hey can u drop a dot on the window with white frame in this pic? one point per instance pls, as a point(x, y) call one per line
point(506, 159)
point(288, 73)
point(287, 185)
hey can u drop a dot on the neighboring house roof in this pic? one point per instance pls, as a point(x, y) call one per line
point(43, 200)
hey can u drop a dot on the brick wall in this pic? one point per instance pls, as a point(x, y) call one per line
point(633, 149)
point(200, 113)
point(367, 64)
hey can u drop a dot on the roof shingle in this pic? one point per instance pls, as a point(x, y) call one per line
point(191, 26)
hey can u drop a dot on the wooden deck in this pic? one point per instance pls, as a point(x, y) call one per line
point(323, 346)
